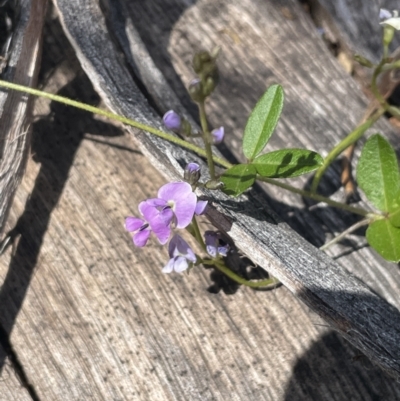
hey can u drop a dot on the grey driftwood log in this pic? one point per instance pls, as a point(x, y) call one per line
point(89, 317)
point(361, 316)
point(21, 67)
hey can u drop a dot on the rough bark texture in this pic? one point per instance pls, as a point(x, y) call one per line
point(15, 107)
point(92, 318)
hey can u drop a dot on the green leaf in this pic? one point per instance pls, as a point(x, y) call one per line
point(378, 173)
point(238, 178)
point(385, 239)
point(262, 121)
point(287, 163)
point(394, 211)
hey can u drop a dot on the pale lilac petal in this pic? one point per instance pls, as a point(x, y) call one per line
point(200, 207)
point(133, 223)
point(173, 245)
point(182, 248)
point(181, 264)
point(174, 191)
point(214, 245)
point(161, 231)
point(223, 250)
point(172, 120)
point(167, 215)
point(184, 210)
point(384, 14)
point(141, 237)
point(192, 167)
point(182, 200)
point(192, 173)
point(156, 202)
point(148, 211)
point(169, 267)
point(218, 135)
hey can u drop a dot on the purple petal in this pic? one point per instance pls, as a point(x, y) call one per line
point(173, 245)
point(211, 240)
point(181, 264)
point(172, 120)
point(133, 223)
point(192, 168)
point(384, 14)
point(156, 202)
point(174, 191)
point(218, 135)
point(183, 201)
point(182, 248)
point(184, 210)
point(200, 207)
point(167, 215)
point(223, 250)
point(141, 237)
point(157, 224)
point(169, 267)
point(147, 210)
point(161, 231)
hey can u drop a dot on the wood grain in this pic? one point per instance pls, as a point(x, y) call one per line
point(90, 317)
point(280, 258)
point(15, 107)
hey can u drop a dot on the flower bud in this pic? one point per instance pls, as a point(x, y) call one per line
point(218, 135)
point(199, 60)
point(388, 34)
point(192, 173)
point(363, 61)
point(172, 120)
point(215, 246)
point(196, 90)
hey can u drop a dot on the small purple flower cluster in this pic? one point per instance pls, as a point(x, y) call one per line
point(173, 121)
point(174, 207)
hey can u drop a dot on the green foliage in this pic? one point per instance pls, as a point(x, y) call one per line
point(287, 163)
point(238, 178)
point(378, 174)
point(394, 218)
point(262, 121)
point(385, 239)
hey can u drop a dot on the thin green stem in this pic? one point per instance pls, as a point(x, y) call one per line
point(374, 85)
point(117, 117)
point(220, 265)
point(391, 66)
point(319, 198)
point(351, 229)
point(207, 139)
point(168, 137)
point(197, 234)
point(354, 136)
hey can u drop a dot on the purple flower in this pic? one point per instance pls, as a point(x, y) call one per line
point(218, 135)
point(182, 256)
point(215, 246)
point(176, 204)
point(143, 227)
point(172, 120)
point(390, 18)
point(200, 207)
point(192, 173)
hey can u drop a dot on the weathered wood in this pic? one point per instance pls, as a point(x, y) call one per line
point(357, 23)
point(11, 387)
point(92, 318)
point(317, 280)
point(15, 107)
point(99, 320)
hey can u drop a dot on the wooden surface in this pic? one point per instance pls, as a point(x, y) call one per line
point(90, 317)
point(22, 68)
